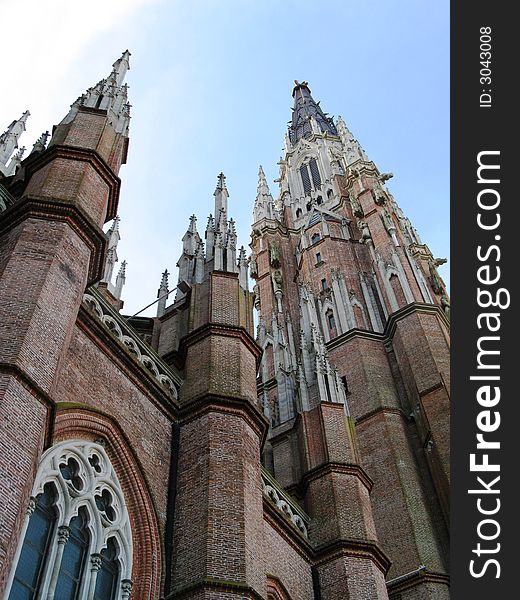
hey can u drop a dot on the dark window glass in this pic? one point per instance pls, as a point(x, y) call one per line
point(305, 179)
point(74, 558)
point(316, 179)
point(315, 238)
point(108, 576)
point(324, 284)
point(329, 194)
point(318, 257)
point(298, 213)
point(319, 200)
point(27, 578)
point(332, 321)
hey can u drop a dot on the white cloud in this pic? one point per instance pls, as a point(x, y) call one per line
point(45, 45)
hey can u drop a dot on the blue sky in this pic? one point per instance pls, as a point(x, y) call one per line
point(210, 84)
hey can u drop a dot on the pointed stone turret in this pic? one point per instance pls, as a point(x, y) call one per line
point(307, 118)
point(190, 243)
point(120, 280)
point(162, 294)
point(41, 143)
point(243, 268)
point(221, 197)
point(352, 148)
point(113, 238)
point(210, 237)
point(264, 203)
point(111, 95)
point(15, 161)
point(9, 141)
point(120, 67)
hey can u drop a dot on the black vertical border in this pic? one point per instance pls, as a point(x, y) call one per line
point(473, 130)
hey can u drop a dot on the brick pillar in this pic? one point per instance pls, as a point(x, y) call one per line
point(349, 561)
point(218, 514)
point(421, 345)
point(51, 245)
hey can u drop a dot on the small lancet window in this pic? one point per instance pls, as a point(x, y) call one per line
point(315, 238)
point(315, 173)
point(74, 557)
point(108, 575)
point(29, 572)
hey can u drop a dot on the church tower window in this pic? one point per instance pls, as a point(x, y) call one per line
point(78, 542)
point(315, 173)
point(310, 175)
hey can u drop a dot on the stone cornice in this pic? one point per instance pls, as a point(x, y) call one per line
point(352, 548)
point(337, 467)
point(391, 325)
point(238, 588)
point(410, 580)
point(53, 210)
point(199, 406)
point(382, 409)
point(221, 330)
point(32, 165)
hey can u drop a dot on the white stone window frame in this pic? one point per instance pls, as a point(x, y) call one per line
point(69, 501)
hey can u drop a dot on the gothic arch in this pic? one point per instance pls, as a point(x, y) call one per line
point(276, 590)
point(78, 489)
point(84, 424)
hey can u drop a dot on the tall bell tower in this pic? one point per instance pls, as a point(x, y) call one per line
point(353, 320)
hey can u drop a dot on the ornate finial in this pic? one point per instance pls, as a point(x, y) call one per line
point(164, 280)
point(221, 181)
point(41, 142)
point(122, 269)
point(20, 153)
point(192, 228)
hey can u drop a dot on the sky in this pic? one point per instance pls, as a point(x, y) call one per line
point(210, 86)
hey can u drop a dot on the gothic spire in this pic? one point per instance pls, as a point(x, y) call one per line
point(221, 195)
point(120, 280)
point(108, 94)
point(191, 238)
point(353, 149)
point(162, 294)
point(9, 140)
point(113, 238)
point(41, 143)
point(307, 115)
point(264, 203)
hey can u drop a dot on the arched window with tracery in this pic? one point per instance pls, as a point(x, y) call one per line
point(76, 543)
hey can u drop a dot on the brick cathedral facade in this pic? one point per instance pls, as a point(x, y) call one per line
point(202, 453)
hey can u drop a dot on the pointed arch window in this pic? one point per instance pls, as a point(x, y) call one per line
point(315, 173)
point(77, 542)
point(310, 174)
point(74, 558)
point(108, 575)
point(306, 180)
point(28, 574)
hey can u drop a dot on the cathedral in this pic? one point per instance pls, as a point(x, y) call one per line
point(278, 431)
